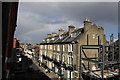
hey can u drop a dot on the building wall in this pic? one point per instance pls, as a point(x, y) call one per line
point(89, 37)
point(9, 11)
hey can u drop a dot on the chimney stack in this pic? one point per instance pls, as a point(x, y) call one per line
point(87, 24)
point(61, 31)
point(87, 21)
point(54, 34)
point(71, 28)
point(49, 35)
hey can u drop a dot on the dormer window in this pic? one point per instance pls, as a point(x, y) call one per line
point(73, 35)
point(53, 38)
point(61, 37)
point(48, 40)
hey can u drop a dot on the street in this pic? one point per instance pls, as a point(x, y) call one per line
point(27, 70)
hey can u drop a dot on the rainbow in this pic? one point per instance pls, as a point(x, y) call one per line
point(31, 31)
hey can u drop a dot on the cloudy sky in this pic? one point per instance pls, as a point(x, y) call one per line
point(37, 19)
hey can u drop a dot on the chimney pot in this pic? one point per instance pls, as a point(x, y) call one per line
point(49, 35)
point(54, 34)
point(71, 28)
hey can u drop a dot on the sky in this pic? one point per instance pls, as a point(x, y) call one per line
point(37, 19)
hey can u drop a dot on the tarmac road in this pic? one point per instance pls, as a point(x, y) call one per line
point(27, 70)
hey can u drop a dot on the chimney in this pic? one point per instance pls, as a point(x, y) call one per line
point(49, 35)
point(87, 21)
point(61, 31)
point(14, 42)
point(54, 34)
point(71, 28)
point(87, 24)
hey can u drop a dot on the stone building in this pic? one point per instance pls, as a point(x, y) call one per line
point(61, 52)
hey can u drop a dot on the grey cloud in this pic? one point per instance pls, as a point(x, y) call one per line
point(46, 17)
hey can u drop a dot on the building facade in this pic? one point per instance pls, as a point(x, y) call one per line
point(9, 18)
point(60, 52)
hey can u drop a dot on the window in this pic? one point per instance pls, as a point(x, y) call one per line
point(58, 56)
point(41, 59)
point(96, 36)
point(63, 58)
point(54, 47)
point(50, 46)
point(61, 37)
point(50, 55)
point(45, 53)
point(45, 46)
point(53, 38)
point(70, 48)
point(63, 47)
point(58, 48)
point(53, 65)
point(93, 36)
point(41, 52)
point(73, 35)
point(70, 59)
point(54, 55)
point(48, 40)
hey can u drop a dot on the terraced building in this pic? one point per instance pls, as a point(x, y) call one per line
point(60, 52)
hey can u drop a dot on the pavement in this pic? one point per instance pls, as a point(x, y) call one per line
point(27, 70)
point(51, 75)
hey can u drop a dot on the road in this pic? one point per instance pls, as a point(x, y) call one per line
point(27, 70)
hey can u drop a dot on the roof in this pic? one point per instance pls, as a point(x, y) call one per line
point(65, 38)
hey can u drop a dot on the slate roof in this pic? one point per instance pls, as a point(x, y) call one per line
point(66, 38)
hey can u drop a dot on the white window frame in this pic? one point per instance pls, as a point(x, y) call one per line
point(93, 36)
point(50, 55)
point(45, 46)
point(96, 36)
point(58, 56)
point(48, 40)
point(73, 35)
point(63, 58)
point(63, 48)
point(45, 53)
point(53, 39)
point(70, 59)
point(61, 37)
point(58, 48)
point(41, 46)
point(51, 47)
point(70, 47)
point(41, 52)
point(54, 47)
